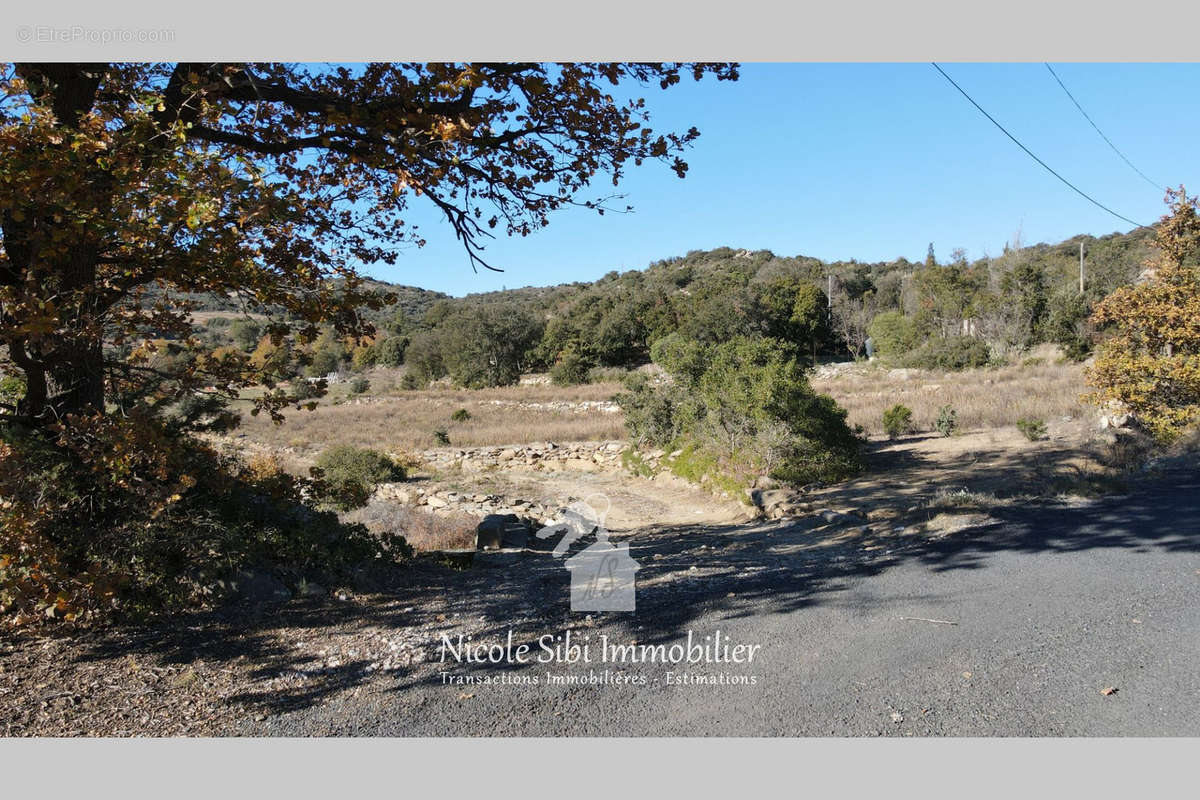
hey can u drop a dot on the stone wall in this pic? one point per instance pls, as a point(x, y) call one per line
point(538, 457)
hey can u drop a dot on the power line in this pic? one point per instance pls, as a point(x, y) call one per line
point(1029, 152)
point(1097, 127)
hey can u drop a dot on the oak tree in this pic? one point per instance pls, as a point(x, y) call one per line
point(129, 188)
point(1149, 362)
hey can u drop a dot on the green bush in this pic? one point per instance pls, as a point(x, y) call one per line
point(740, 408)
point(461, 415)
point(352, 473)
point(359, 385)
point(892, 334)
point(1068, 325)
point(411, 382)
point(441, 437)
point(1034, 429)
point(423, 359)
point(947, 421)
point(897, 420)
point(389, 352)
point(304, 389)
point(951, 353)
point(571, 368)
point(654, 414)
point(632, 461)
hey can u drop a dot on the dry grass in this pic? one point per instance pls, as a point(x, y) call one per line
point(423, 530)
point(392, 419)
point(983, 398)
point(386, 418)
point(202, 317)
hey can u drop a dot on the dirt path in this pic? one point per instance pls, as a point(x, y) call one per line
point(633, 502)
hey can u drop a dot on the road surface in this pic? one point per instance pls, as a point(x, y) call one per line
point(1060, 621)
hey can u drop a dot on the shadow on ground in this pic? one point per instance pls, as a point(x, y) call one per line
point(687, 571)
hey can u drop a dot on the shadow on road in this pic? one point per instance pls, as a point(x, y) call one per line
point(727, 571)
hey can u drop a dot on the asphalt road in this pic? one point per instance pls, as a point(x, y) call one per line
point(1050, 607)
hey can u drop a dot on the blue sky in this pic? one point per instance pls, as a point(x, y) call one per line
point(866, 161)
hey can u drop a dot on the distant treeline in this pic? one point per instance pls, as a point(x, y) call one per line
point(944, 312)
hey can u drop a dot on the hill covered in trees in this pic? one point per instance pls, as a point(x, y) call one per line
point(943, 312)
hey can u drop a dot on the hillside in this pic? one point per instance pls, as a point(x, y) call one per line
point(914, 312)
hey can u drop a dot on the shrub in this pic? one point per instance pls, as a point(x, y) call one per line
point(570, 368)
point(486, 346)
point(892, 334)
point(389, 352)
point(897, 420)
point(359, 384)
point(950, 353)
point(1034, 429)
point(654, 415)
point(328, 355)
point(350, 474)
point(441, 437)
point(947, 421)
point(1150, 361)
point(304, 389)
point(423, 358)
point(411, 382)
point(423, 530)
point(635, 464)
point(115, 517)
point(1068, 325)
point(460, 415)
point(737, 409)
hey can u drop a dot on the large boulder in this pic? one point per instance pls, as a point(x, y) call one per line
point(497, 531)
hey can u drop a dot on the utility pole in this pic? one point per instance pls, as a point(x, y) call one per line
point(829, 294)
point(1081, 266)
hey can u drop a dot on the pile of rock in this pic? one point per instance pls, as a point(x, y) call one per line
point(540, 456)
point(446, 501)
point(1115, 415)
point(568, 406)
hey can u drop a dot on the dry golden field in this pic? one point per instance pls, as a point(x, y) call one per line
point(1041, 386)
point(983, 398)
point(987, 462)
point(387, 418)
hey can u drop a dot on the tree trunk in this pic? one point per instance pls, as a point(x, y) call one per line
point(65, 372)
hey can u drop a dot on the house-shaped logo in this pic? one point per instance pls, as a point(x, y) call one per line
point(602, 574)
